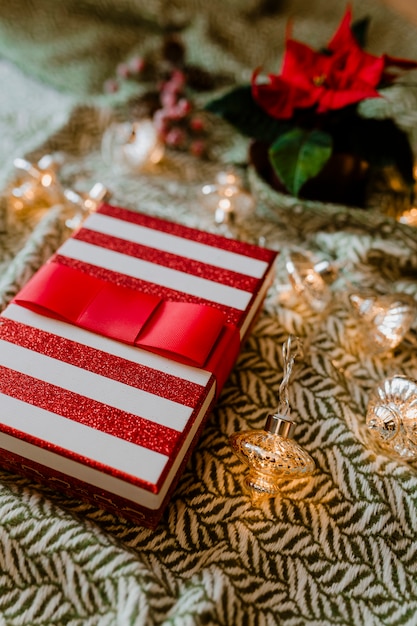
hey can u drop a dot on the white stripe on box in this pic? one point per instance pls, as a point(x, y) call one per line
point(99, 388)
point(167, 242)
point(82, 440)
point(257, 303)
point(158, 274)
point(140, 457)
point(110, 346)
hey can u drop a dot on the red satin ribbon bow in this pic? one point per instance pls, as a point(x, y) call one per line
point(186, 332)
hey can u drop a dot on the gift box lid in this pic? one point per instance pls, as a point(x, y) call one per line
point(114, 352)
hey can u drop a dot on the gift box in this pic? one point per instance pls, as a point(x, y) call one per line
point(114, 353)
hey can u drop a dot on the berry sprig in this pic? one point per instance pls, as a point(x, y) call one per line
point(169, 100)
point(133, 70)
point(176, 121)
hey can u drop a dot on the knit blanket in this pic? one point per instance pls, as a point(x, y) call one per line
point(339, 547)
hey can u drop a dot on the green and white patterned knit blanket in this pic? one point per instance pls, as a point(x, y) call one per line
point(339, 548)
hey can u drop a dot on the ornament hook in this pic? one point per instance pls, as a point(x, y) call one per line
point(292, 349)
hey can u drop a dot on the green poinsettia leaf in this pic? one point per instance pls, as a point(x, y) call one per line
point(299, 155)
point(239, 109)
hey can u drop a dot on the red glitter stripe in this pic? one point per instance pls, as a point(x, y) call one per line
point(233, 316)
point(98, 362)
point(78, 408)
point(210, 239)
point(166, 259)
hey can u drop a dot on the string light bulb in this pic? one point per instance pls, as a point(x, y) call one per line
point(391, 417)
point(226, 197)
point(382, 320)
point(35, 186)
point(310, 279)
point(133, 146)
point(84, 203)
point(272, 454)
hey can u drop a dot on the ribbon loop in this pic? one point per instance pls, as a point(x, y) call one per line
point(186, 332)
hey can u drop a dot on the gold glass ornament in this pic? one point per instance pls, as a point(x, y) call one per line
point(36, 186)
point(309, 279)
point(226, 198)
point(84, 203)
point(391, 417)
point(271, 454)
point(133, 146)
point(382, 320)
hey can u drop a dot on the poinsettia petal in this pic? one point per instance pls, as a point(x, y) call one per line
point(347, 67)
point(401, 64)
point(279, 98)
point(272, 96)
point(338, 99)
point(404, 64)
point(302, 63)
point(360, 65)
point(343, 37)
point(371, 69)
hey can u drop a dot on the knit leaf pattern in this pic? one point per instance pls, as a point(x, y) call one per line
point(339, 547)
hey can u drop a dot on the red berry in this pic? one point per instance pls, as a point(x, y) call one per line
point(168, 99)
point(160, 119)
point(111, 85)
point(197, 124)
point(183, 107)
point(175, 138)
point(137, 65)
point(177, 79)
point(197, 148)
point(122, 70)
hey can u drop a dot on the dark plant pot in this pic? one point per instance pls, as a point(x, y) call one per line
point(301, 218)
point(343, 180)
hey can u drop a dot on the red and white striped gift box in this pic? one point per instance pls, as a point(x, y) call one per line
point(113, 354)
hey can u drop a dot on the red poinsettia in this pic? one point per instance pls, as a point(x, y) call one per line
point(309, 113)
point(342, 75)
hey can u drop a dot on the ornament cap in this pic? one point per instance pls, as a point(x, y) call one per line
point(279, 425)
